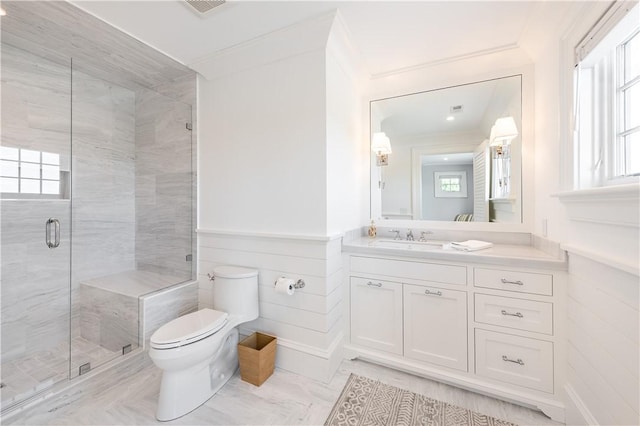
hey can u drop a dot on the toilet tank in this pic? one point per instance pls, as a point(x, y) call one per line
point(235, 291)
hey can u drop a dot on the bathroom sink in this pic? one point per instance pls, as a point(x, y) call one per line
point(410, 245)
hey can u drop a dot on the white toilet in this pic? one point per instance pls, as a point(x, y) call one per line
point(198, 352)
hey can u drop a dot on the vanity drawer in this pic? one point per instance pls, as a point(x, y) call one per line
point(448, 274)
point(513, 359)
point(521, 314)
point(522, 282)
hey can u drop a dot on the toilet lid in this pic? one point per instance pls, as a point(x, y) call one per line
point(189, 328)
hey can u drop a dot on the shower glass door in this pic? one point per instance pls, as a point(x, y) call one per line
point(104, 318)
point(132, 209)
point(35, 218)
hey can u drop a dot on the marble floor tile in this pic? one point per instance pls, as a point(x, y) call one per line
point(284, 399)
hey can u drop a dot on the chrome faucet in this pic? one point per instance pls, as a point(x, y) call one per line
point(422, 236)
point(397, 236)
point(409, 235)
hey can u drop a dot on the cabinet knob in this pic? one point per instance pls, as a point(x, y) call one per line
point(433, 293)
point(374, 284)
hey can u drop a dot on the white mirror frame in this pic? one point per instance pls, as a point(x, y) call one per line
point(528, 157)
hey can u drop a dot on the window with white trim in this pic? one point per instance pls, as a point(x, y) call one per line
point(28, 172)
point(607, 104)
point(450, 184)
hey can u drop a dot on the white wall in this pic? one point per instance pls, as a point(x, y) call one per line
point(262, 157)
point(280, 170)
point(347, 147)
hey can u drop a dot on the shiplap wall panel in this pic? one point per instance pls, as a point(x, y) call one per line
point(605, 335)
point(603, 350)
point(590, 396)
point(300, 317)
point(306, 301)
point(297, 334)
point(309, 322)
point(610, 403)
point(617, 374)
point(294, 266)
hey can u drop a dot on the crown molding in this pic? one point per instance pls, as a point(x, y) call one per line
point(429, 64)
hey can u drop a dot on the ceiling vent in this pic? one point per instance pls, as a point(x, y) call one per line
point(204, 7)
point(456, 108)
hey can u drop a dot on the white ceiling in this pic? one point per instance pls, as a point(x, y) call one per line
point(390, 35)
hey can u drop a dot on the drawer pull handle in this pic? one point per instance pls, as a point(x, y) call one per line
point(517, 314)
point(517, 361)
point(506, 281)
point(433, 293)
point(374, 284)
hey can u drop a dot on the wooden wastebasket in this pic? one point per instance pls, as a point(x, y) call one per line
point(257, 355)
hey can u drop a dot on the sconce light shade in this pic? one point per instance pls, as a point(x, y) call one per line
point(380, 144)
point(503, 131)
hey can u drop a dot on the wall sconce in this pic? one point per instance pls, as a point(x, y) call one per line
point(503, 131)
point(381, 145)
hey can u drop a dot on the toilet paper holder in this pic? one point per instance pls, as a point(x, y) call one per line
point(298, 284)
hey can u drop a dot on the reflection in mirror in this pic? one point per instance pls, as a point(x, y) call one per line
point(456, 154)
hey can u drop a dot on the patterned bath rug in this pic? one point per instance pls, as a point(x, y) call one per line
point(368, 402)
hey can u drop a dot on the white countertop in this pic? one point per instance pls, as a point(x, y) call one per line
point(500, 254)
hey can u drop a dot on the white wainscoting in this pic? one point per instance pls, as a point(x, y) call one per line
point(602, 347)
point(308, 324)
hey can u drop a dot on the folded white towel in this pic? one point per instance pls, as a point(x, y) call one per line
point(471, 245)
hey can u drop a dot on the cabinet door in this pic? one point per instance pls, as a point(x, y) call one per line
point(376, 314)
point(435, 324)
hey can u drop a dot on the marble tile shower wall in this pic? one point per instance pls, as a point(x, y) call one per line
point(163, 190)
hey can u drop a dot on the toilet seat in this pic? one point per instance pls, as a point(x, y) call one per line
point(189, 329)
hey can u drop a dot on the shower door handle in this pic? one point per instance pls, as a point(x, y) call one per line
point(56, 236)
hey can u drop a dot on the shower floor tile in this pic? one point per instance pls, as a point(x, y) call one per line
point(23, 377)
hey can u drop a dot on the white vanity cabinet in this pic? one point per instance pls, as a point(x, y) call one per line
point(376, 314)
point(435, 325)
point(464, 321)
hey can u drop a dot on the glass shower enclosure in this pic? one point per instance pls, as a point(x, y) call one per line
point(96, 211)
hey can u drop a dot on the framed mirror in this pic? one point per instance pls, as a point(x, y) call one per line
point(441, 161)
